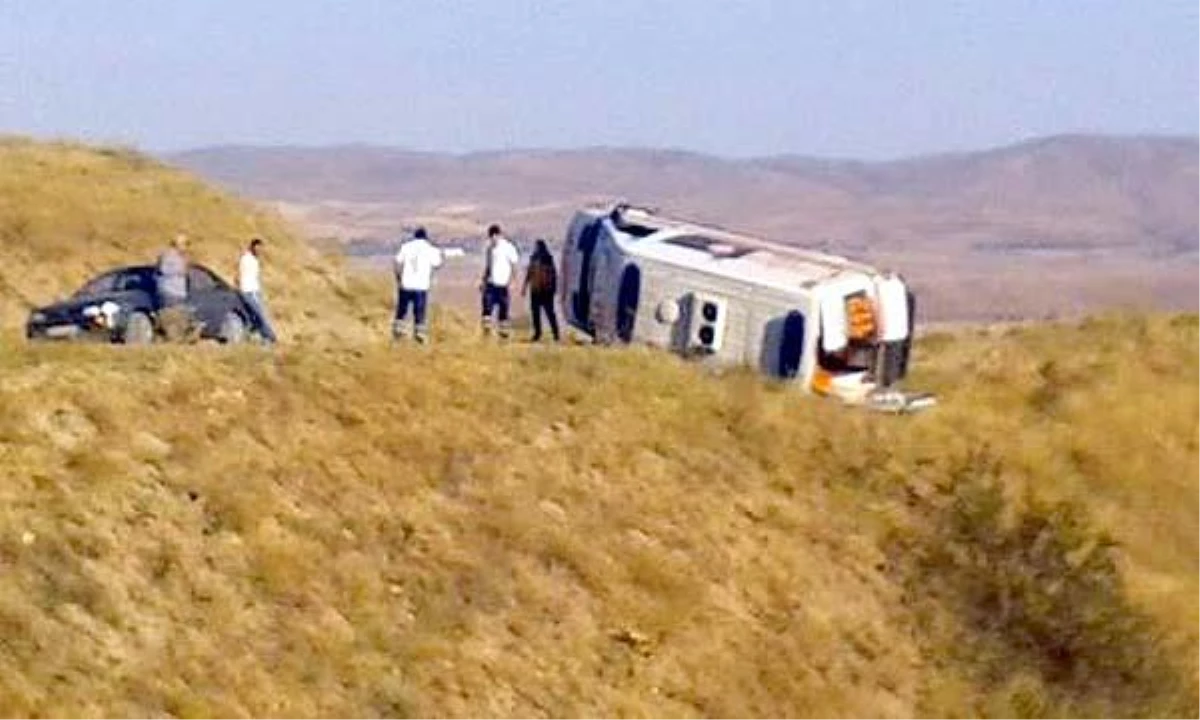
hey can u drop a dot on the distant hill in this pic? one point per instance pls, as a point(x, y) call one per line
point(1106, 220)
point(1071, 191)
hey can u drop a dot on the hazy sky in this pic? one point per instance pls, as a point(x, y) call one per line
point(865, 79)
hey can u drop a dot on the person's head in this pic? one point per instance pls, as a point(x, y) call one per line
point(180, 242)
point(493, 232)
point(541, 249)
point(420, 234)
point(255, 245)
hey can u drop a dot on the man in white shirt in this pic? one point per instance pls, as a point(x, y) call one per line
point(415, 262)
point(502, 259)
point(250, 284)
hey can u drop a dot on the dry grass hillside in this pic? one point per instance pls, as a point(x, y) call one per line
point(468, 529)
point(339, 527)
point(70, 211)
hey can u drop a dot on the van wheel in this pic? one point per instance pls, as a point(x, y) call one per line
point(139, 330)
point(233, 329)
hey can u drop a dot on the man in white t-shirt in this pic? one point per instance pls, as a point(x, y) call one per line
point(502, 259)
point(415, 262)
point(250, 284)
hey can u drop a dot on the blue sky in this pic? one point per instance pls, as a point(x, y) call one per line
point(864, 79)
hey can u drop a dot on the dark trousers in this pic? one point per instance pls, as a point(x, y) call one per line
point(543, 302)
point(495, 299)
point(417, 300)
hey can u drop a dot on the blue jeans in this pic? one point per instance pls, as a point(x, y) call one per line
point(259, 308)
point(495, 299)
point(417, 300)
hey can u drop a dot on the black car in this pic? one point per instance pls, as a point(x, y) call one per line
point(123, 306)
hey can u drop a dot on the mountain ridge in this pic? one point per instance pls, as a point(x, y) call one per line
point(1030, 141)
point(1047, 226)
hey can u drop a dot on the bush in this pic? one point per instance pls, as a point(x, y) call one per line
point(1034, 588)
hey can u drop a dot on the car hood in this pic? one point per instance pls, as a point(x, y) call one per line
point(73, 307)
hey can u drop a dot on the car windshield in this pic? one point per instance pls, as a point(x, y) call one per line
point(116, 281)
point(99, 285)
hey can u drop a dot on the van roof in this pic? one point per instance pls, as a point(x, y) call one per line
point(734, 255)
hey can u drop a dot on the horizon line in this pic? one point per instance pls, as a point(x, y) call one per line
point(667, 149)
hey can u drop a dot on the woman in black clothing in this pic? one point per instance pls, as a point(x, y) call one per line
point(541, 282)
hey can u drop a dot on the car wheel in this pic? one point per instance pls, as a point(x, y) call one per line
point(139, 330)
point(233, 329)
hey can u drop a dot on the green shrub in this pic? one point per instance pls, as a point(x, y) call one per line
point(1035, 588)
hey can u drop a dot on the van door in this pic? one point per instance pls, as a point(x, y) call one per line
point(581, 277)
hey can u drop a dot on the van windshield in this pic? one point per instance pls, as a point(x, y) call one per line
point(847, 360)
point(848, 329)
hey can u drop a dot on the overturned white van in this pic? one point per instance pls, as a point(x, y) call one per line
point(825, 323)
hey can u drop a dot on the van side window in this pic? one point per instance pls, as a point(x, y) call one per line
point(791, 345)
point(627, 302)
point(582, 300)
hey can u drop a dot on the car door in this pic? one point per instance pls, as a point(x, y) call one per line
point(209, 297)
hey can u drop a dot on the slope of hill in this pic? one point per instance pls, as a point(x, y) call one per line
point(344, 528)
point(69, 211)
point(1052, 226)
point(469, 529)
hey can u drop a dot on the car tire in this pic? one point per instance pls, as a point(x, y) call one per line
point(233, 329)
point(139, 330)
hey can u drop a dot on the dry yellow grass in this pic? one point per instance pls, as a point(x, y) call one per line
point(70, 211)
point(468, 529)
point(344, 528)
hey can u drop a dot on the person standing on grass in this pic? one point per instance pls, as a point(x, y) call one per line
point(502, 259)
point(250, 285)
point(175, 317)
point(541, 283)
point(171, 276)
point(415, 263)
